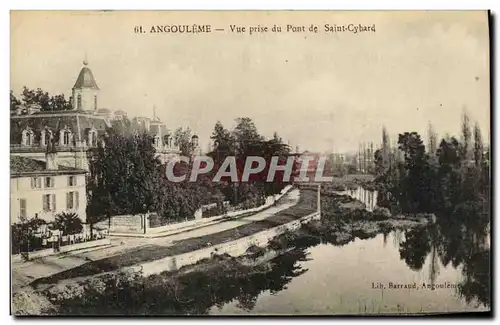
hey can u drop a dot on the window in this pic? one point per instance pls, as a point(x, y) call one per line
point(71, 180)
point(22, 208)
point(36, 182)
point(79, 102)
point(49, 202)
point(66, 138)
point(49, 182)
point(92, 138)
point(95, 102)
point(47, 136)
point(28, 138)
point(72, 200)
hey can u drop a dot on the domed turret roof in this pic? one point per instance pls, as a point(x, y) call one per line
point(85, 78)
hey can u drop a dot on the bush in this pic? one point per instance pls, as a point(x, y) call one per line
point(68, 223)
point(381, 213)
point(255, 251)
point(218, 210)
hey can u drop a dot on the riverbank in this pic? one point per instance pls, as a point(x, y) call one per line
point(87, 289)
point(190, 290)
point(305, 205)
point(344, 219)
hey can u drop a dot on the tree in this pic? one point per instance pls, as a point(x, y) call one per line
point(124, 175)
point(386, 149)
point(466, 147)
point(478, 146)
point(416, 184)
point(431, 140)
point(38, 97)
point(44, 100)
point(68, 223)
point(380, 169)
point(124, 127)
point(182, 138)
point(223, 143)
point(14, 102)
point(59, 103)
point(127, 178)
point(245, 134)
point(449, 172)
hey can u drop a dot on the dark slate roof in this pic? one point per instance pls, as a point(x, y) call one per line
point(156, 128)
point(23, 165)
point(76, 121)
point(85, 80)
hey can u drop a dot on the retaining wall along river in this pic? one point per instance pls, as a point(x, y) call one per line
point(234, 248)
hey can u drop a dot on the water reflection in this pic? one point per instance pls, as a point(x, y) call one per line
point(453, 244)
point(319, 277)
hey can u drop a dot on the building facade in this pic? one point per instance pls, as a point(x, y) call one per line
point(74, 132)
point(45, 189)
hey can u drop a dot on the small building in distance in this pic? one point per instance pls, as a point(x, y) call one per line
point(45, 189)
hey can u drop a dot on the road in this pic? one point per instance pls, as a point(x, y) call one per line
point(26, 272)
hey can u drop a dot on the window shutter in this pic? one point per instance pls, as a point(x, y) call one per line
point(33, 182)
point(22, 207)
point(53, 202)
point(69, 204)
point(77, 200)
point(45, 199)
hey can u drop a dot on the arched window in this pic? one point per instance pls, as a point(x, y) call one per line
point(46, 137)
point(92, 138)
point(66, 137)
point(28, 137)
point(95, 102)
point(79, 102)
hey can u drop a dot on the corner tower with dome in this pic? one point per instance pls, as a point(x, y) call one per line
point(85, 92)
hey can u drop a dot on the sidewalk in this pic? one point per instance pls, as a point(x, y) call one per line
point(25, 273)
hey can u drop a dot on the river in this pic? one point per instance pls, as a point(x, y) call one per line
point(318, 277)
point(347, 280)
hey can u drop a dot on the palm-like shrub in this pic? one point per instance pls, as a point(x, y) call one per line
point(68, 223)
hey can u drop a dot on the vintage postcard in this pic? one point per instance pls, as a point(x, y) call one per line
point(250, 163)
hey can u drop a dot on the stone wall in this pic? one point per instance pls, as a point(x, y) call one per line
point(63, 249)
point(234, 248)
point(129, 224)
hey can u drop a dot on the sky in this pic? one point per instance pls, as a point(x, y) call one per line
point(320, 91)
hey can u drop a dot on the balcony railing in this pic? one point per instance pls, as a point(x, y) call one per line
point(19, 148)
point(37, 148)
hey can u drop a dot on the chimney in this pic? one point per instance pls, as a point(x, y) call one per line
point(51, 157)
